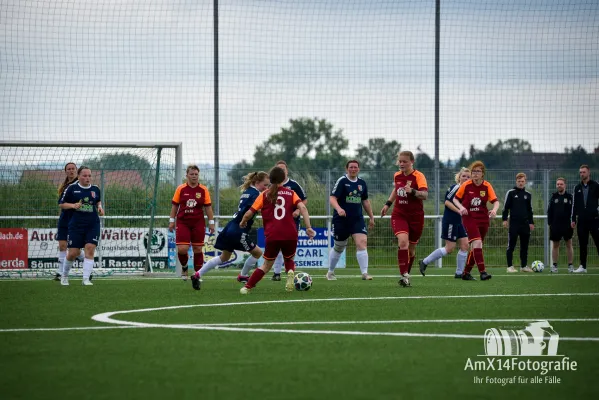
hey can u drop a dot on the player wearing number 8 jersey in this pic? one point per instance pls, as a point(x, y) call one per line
point(471, 199)
point(277, 205)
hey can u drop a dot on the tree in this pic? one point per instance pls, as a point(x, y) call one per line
point(499, 155)
point(122, 162)
point(378, 154)
point(575, 156)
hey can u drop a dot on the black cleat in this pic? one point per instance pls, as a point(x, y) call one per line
point(485, 276)
point(422, 267)
point(467, 277)
point(276, 277)
point(458, 276)
point(243, 279)
point(56, 277)
point(195, 282)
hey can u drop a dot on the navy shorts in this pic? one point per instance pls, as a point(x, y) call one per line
point(343, 228)
point(452, 232)
point(231, 240)
point(78, 237)
point(62, 232)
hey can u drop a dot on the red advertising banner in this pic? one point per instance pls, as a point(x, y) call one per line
point(13, 248)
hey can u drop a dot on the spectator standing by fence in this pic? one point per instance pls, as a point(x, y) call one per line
point(518, 205)
point(586, 201)
point(558, 219)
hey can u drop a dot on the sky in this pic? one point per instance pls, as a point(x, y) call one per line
point(128, 70)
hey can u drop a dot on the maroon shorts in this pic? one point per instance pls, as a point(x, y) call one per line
point(272, 248)
point(191, 232)
point(412, 226)
point(476, 229)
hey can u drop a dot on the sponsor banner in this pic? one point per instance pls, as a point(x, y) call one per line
point(310, 253)
point(13, 248)
point(120, 248)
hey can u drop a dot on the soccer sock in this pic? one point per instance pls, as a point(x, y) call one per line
point(435, 255)
point(198, 260)
point(278, 265)
point(249, 263)
point(211, 264)
point(255, 278)
point(469, 263)
point(461, 261)
point(88, 266)
point(410, 261)
point(62, 255)
point(183, 258)
point(81, 256)
point(362, 256)
point(289, 264)
point(480, 260)
point(403, 257)
point(333, 259)
point(66, 267)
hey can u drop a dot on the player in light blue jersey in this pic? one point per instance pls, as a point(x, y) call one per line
point(84, 200)
point(232, 236)
point(299, 190)
point(349, 196)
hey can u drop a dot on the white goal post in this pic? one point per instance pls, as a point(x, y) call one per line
point(136, 182)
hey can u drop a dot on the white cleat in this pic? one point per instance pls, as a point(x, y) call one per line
point(289, 284)
point(526, 269)
point(331, 276)
point(553, 270)
point(244, 290)
point(366, 277)
point(511, 270)
point(64, 280)
point(405, 280)
point(86, 282)
point(580, 270)
point(570, 269)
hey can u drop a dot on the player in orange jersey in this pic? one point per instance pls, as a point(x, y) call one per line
point(407, 220)
point(471, 199)
point(277, 205)
point(190, 201)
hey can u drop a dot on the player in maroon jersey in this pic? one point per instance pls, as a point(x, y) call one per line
point(407, 220)
point(471, 199)
point(277, 205)
point(190, 201)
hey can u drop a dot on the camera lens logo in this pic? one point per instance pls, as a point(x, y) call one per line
point(536, 339)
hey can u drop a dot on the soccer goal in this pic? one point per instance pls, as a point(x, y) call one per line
point(136, 182)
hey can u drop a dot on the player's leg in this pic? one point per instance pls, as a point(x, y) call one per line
point(92, 236)
point(277, 267)
point(62, 255)
point(340, 237)
point(251, 261)
point(479, 258)
point(182, 239)
point(595, 233)
point(512, 238)
point(524, 241)
point(271, 251)
point(582, 228)
point(570, 251)
point(288, 249)
point(198, 234)
point(416, 226)
point(554, 254)
point(447, 234)
point(474, 239)
point(401, 231)
point(361, 241)
point(75, 241)
point(462, 256)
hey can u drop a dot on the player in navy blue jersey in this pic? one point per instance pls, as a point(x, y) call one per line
point(232, 236)
point(84, 200)
point(65, 215)
point(296, 187)
point(452, 230)
point(349, 195)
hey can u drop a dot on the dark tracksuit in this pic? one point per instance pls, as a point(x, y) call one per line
point(586, 201)
point(559, 214)
point(518, 203)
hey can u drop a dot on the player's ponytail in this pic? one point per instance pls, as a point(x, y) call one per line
point(66, 181)
point(252, 178)
point(277, 176)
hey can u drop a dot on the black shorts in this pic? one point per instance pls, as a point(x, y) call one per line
point(453, 232)
point(79, 236)
point(343, 228)
point(234, 239)
point(559, 232)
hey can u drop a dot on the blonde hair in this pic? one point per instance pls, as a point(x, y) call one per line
point(561, 179)
point(407, 154)
point(252, 178)
point(520, 175)
point(478, 164)
point(458, 175)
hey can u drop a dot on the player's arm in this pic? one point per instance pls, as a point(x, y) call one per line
point(574, 210)
point(420, 194)
point(507, 206)
point(172, 215)
point(550, 212)
point(368, 208)
point(389, 202)
point(451, 206)
point(210, 215)
point(335, 203)
point(68, 201)
point(304, 211)
point(494, 200)
point(422, 191)
point(249, 214)
point(531, 221)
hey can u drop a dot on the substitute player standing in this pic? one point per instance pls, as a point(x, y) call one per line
point(190, 201)
point(586, 208)
point(471, 199)
point(558, 219)
point(407, 219)
point(349, 195)
point(277, 205)
point(84, 226)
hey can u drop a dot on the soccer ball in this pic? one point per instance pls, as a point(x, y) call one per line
point(302, 281)
point(538, 266)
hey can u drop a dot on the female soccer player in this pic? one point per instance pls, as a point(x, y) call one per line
point(407, 220)
point(349, 195)
point(452, 230)
point(83, 199)
point(471, 199)
point(189, 202)
point(65, 215)
point(232, 236)
point(277, 205)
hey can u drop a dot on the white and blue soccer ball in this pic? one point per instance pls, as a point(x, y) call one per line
point(302, 281)
point(538, 266)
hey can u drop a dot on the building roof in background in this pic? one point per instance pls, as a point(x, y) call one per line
point(111, 178)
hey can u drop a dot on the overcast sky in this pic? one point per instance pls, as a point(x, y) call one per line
point(126, 70)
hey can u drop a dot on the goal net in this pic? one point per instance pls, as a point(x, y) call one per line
point(135, 180)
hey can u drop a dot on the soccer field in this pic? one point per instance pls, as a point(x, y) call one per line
point(347, 339)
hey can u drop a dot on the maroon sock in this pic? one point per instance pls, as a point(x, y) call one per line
point(403, 259)
point(410, 262)
point(198, 261)
point(480, 259)
point(255, 278)
point(183, 258)
point(469, 263)
point(289, 264)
